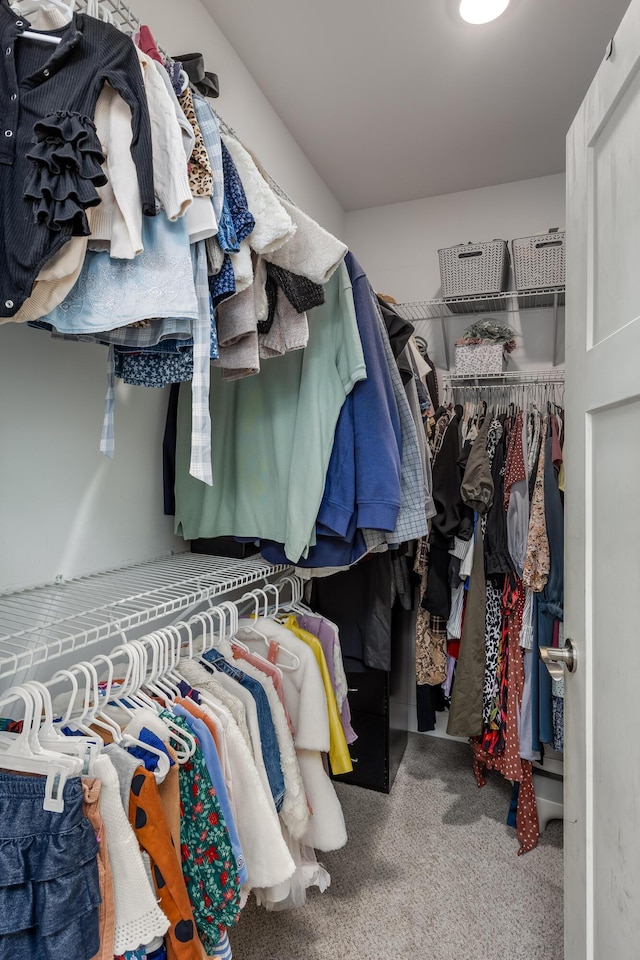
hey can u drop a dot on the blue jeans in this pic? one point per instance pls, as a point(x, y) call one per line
point(270, 751)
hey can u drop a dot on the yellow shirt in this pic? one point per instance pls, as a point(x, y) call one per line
point(339, 755)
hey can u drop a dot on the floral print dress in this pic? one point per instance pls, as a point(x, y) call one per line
point(208, 864)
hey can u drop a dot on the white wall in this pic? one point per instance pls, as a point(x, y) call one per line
point(65, 509)
point(398, 247)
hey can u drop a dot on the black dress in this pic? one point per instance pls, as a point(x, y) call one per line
point(50, 155)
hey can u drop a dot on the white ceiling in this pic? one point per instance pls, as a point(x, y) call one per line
point(398, 100)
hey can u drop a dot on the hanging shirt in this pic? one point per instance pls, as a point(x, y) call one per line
point(208, 864)
point(49, 99)
point(338, 749)
point(273, 435)
point(328, 635)
point(199, 729)
point(268, 738)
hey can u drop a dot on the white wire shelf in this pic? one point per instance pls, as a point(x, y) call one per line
point(509, 302)
point(47, 622)
point(506, 378)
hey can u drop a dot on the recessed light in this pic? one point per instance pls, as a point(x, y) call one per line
point(482, 11)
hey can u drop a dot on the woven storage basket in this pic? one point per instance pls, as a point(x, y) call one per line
point(474, 269)
point(539, 262)
point(476, 359)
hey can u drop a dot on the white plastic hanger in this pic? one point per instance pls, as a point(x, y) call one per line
point(24, 754)
point(96, 10)
point(30, 6)
point(183, 742)
point(251, 626)
point(76, 714)
point(86, 748)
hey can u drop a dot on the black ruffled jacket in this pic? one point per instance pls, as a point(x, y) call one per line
point(50, 156)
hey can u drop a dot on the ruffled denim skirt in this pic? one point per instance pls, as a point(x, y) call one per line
point(49, 886)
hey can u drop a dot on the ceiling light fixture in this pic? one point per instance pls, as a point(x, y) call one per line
point(482, 11)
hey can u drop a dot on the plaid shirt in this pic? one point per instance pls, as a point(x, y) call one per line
point(200, 465)
point(208, 123)
point(412, 518)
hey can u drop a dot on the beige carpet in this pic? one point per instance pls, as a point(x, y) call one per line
point(430, 873)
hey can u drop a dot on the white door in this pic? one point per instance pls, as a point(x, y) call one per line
point(602, 604)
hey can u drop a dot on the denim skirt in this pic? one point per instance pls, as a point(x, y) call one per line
point(49, 886)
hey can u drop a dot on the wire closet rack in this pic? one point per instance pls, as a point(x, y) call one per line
point(506, 378)
point(510, 302)
point(48, 622)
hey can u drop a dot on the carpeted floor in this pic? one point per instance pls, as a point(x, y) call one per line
point(430, 873)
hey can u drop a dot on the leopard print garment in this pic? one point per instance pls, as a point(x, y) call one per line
point(493, 439)
point(537, 562)
point(493, 625)
point(492, 637)
point(431, 632)
point(200, 170)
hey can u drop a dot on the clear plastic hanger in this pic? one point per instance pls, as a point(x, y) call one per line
point(23, 753)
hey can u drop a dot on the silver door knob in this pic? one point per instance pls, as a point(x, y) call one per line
point(556, 658)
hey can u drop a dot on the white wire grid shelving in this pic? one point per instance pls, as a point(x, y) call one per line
point(509, 303)
point(507, 378)
point(48, 622)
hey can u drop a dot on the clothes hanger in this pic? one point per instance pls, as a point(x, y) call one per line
point(23, 753)
point(156, 680)
point(91, 715)
point(235, 642)
point(76, 714)
point(96, 10)
point(86, 749)
point(183, 742)
point(66, 717)
point(30, 6)
point(124, 738)
point(251, 627)
point(174, 640)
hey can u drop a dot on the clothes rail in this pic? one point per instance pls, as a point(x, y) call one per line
point(48, 622)
point(124, 18)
